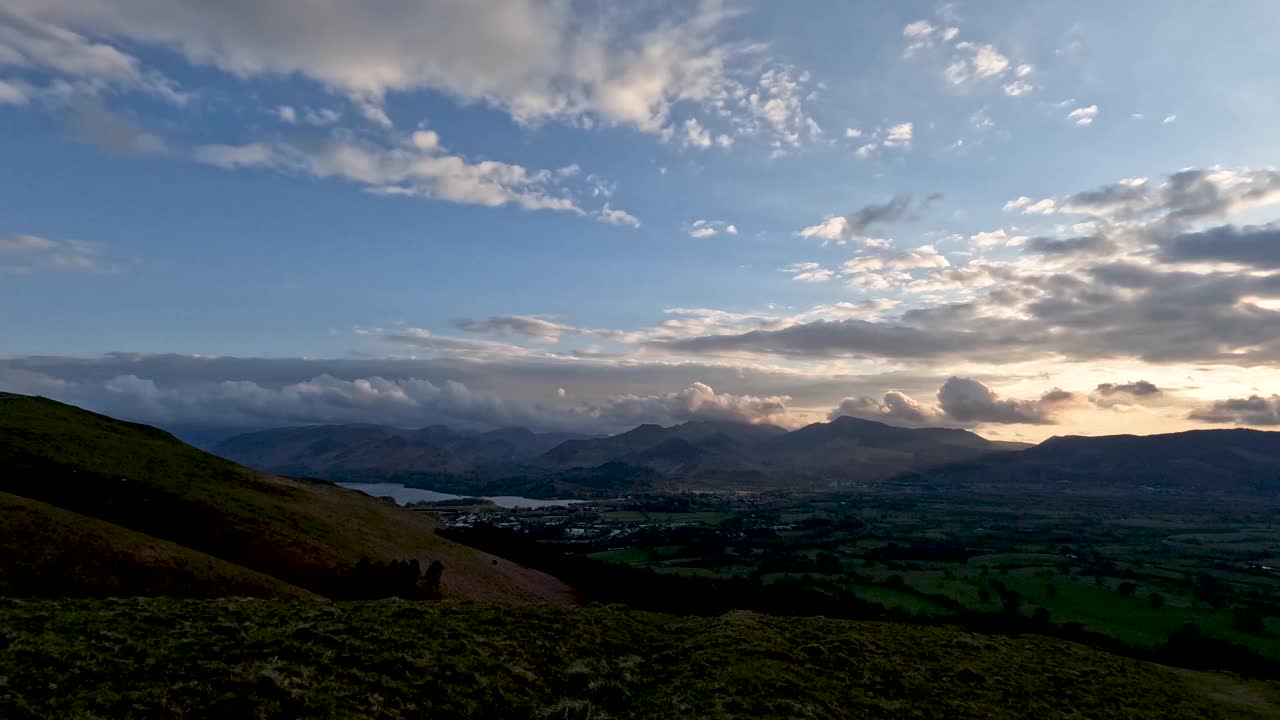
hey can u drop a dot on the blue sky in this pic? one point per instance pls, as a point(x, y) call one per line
point(588, 214)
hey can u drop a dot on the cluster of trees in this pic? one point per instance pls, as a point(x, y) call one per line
point(399, 578)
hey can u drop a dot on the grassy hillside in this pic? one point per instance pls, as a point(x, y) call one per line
point(392, 659)
point(308, 534)
point(51, 552)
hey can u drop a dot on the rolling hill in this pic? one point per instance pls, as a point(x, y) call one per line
point(303, 533)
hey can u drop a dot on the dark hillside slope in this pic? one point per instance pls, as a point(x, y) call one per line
point(306, 533)
point(51, 552)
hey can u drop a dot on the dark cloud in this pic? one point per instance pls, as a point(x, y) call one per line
point(961, 402)
point(968, 400)
point(1253, 410)
point(1257, 246)
point(1087, 245)
point(1138, 389)
point(529, 326)
point(1186, 196)
point(845, 338)
point(1109, 395)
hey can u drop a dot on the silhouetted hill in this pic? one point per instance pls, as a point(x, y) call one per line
point(1236, 461)
point(305, 533)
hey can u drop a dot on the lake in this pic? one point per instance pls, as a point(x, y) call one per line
point(405, 495)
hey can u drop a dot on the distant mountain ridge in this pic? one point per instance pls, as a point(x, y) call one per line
point(1239, 461)
point(698, 454)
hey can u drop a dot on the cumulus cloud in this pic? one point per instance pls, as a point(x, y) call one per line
point(968, 400)
point(1254, 410)
point(710, 228)
point(25, 254)
point(699, 401)
point(895, 408)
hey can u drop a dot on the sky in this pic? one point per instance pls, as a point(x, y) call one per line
point(1025, 219)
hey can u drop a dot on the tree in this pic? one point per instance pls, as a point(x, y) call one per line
point(1127, 589)
point(984, 595)
point(1156, 600)
point(1041, 616)
point(1051, 590)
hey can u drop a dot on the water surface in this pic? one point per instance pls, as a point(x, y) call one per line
point(405, 495)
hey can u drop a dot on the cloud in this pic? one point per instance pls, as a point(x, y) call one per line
point(1253, 410)
point(1027, 206)
point(825, 338)
point(710, 228)
point(698, 401)
point(614, 216)
point(25, 254)
point(99, 126)
point(535, 60)
point(82, 67)
point(855, 226)
point(968, 400)
point(530, 326)
point(417, 166)
point(1131, 393)
point(899, 135)
point(810, 272)
point(1083, 116)
point(974, 62)
point(1169, 119)
point(996, 239)
point(1253, 246)
point(895, 408)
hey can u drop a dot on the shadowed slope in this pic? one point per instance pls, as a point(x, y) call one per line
point(52, 552)
point(306, 533)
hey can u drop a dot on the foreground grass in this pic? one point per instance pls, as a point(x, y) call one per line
point(159, 658)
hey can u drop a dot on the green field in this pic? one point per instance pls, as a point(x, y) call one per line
point(163, 659)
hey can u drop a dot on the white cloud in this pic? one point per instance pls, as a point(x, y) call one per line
point(852, 133)
point(614, 216)
point(900, 135)
point(1169, 119)
point(810, 272)
point(699, 401)
point(536, 60)
point(695, 135)
point(996, 239)
point(710, 228)
point(1027, 206)
point(418, 166)
point(1082, 117)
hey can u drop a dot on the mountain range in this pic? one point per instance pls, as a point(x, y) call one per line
point(696, 454)
point(703, 455)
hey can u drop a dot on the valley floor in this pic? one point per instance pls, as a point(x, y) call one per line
point(163, 658)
